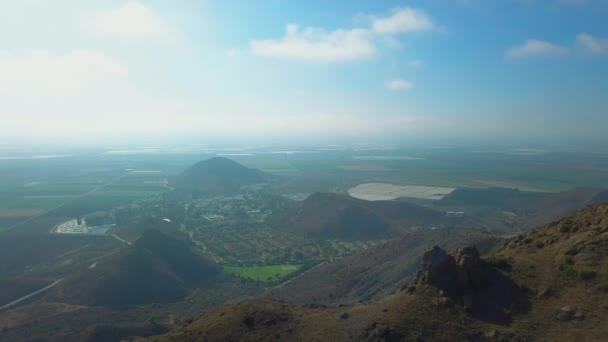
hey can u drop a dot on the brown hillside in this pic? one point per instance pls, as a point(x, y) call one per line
point(546, 209)
point(156, 268)
point(134, 230)
point(548, 285)
point(376, 272)
point(337, 216)
point(217, 175)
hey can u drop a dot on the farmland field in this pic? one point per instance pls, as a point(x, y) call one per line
point(263, 273)
point(38, 202)
point(88, 181)
point(65, 188)
point(16, 213)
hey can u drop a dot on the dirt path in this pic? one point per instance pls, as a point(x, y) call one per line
point(298, 276)
point(15, 302)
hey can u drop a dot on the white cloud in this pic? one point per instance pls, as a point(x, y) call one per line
point(88, 96)
point(403, 20)
point(313, 44)
point(316, 45)
point(591, 44)
point(415, 63)
point(536, 48)
point(40, 72)
point(131, 22)
point(48, 93)
point(398, 84)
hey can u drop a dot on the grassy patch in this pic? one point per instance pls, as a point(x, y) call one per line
point(569, 270)
point(107, 199)
point(54, 189)
point(19, 212)
point(45, 202)
point(586, 275)
point(263, 273)
point(498, 262)
point(568, 260)
point(126, 193)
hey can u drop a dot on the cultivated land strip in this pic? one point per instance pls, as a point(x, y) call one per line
point(76, 198)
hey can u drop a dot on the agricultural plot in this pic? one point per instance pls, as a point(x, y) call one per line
point(7, 213)
point(22, 208)
point(263, 273)
point(38, 202)
point(383, 191)
point(58, 188)
point(100, 201)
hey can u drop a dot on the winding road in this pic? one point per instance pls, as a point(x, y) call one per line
point(15, 302)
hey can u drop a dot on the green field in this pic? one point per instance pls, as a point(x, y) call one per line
point(263, 273)
point(105, 200)
point(38, 202)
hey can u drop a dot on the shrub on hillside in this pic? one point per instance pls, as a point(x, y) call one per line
point(498, 262)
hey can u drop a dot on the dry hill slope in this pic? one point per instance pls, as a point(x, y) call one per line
point(337, 216)
point(378, 271)
point(548, 285)
point(156, 268)
point(544, 210)
point(217, 175)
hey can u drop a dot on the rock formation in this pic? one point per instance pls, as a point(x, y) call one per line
point(457, 275)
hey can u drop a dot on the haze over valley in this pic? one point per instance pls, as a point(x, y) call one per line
point(294, 170)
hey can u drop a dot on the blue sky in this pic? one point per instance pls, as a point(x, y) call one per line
point(277, 68)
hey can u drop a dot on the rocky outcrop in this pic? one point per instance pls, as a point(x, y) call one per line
point(567, 313)
point(457, 275)
point(468, 269)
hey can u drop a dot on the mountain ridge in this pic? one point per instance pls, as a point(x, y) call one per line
point(549, 284)
point(327, 215)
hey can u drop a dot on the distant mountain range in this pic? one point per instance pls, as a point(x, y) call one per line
point(218, 175)
point(156, 268)
point(550, 284)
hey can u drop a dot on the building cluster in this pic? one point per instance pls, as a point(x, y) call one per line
point(228, 208)
point(75, 226)
point(79, 226)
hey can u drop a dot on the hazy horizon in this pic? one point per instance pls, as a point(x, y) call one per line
point(386, 71)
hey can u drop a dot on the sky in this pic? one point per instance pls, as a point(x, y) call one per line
point(109, 70)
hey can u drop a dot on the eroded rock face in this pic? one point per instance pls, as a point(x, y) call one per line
point(437, 269)
point(469, 269)
point(457, 274)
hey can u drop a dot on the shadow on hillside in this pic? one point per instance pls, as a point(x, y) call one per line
point(499, 298)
